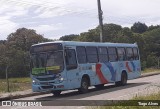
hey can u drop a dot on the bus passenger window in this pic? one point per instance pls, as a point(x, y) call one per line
point(135, 51)
point(81, 54)
point(102, 54)
point(92, 54)
point(112, 54)
point(121, 54)
point(130, 55)
point(71, 62)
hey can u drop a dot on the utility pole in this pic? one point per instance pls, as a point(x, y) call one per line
point(100, 12)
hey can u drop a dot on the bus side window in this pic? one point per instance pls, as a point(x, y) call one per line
point(81, 54)
point(136, 55)
point(112, 54)
point(121, 54)
point(71, 62)
point(92, 54)
point(102, 54)
point(130, 55)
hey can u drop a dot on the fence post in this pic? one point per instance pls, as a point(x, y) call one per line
point(158, 62)
point(7, 78)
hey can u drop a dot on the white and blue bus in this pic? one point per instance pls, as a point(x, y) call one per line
point(64, 65)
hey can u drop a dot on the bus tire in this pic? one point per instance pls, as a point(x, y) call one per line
point(100, 86)
point(56, 92)
point(123, 80)
point(84, 85)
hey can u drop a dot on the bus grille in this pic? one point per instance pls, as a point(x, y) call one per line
point(46, 79)
point(47, 87)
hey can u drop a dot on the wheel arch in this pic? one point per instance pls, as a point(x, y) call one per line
point(88, 78)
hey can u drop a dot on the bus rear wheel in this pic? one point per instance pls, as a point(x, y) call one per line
point(123, 80)
point(56, 92)
point(84, 85)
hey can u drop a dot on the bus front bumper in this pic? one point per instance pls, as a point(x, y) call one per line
point(49, 87)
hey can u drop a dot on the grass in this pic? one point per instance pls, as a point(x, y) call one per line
point(15, 84)
point(155, 96)
point(148, 70)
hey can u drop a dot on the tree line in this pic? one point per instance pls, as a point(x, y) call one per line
point(14, 51)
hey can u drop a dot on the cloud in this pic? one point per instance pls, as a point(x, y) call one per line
point(6, 27)
point(61, 17)
point(7, 13)
point(47, 28)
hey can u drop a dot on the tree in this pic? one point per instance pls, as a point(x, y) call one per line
point(111, 31)
point(152, 39)
point(23, 38)
point(153, 27)
point(139, 27)
point(70, 37)
point(12, 60)
point(2, 41)
point(14, 52)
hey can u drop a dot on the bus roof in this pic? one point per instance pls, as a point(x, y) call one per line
point(76, 43)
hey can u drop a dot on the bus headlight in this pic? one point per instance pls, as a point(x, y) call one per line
point(35, 82)
point(61, 79)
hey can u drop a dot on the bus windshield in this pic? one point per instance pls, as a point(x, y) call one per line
point(55, 59)
point(51, 61)
point(38, 60)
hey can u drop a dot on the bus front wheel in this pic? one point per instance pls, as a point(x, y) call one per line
point(84, 85)
point(56, 92)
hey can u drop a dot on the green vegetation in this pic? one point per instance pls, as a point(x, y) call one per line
point(14, 51)
point(15, 84)
point(147, 38)
point(155, 96)
point(148, 70)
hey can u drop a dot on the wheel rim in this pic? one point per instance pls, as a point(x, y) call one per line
point(85, 85)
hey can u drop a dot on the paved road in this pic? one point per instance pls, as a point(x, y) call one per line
point(140, 86)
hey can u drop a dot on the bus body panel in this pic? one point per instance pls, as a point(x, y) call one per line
point(99, 73)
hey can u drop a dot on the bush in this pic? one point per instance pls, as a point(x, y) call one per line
point(151, 61)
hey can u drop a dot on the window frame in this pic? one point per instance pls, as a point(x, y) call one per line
point(132, 57)
point(136, 57)
point(116, 59)
point(103, 54)
point(71, 66)
point(125, 57)
point(84, 54)
point(88, 57)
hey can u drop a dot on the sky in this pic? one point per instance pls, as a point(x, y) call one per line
point(56, 18)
